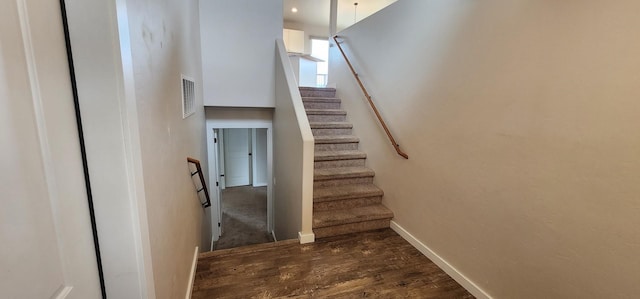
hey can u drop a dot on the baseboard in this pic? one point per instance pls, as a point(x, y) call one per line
point(306, 238)
point(192, 276)
point(474, 289)
point(273, 234)
point(260, 185)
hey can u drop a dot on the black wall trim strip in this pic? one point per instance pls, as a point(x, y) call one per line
point(83, 150)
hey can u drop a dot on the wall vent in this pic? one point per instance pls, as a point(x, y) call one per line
point(188, 96)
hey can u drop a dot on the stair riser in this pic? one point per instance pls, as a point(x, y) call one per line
point(346, 203)
point(326, 117)
point(339, 163)
point(318, 93)
point(340, 182)
point(328, 132)
point(320, 105)
point(351, 228)
point(336, 146)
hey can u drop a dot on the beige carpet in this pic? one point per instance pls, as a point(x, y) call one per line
point(244, 217)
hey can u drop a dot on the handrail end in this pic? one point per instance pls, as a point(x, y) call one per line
point(401, 153)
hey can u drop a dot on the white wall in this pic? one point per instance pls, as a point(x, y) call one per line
point(520, 120)
point(293, 157)
point(238, 51)
point(129, 59)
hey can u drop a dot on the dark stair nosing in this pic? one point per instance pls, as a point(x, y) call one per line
point(358, 214)
point(350, 228)
point(245, 249)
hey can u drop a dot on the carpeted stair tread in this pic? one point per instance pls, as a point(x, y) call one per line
point(341, 173)
point(352, 215)
point(330, 125)
point(325, 112)
point(336, 139)
point(345, 198)
point(339, 155)
point(309, 88)
point(321, 99)
point(322, 194)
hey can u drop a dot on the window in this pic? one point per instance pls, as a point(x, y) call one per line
point(320, 49)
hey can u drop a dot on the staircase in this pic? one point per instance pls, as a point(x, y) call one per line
point(345, 200)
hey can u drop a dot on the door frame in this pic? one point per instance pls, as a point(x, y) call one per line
point(254, 159)
point(220, 124)
point(218, 156)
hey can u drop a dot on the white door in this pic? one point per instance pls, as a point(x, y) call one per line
point(236, 155)
point(46, 245)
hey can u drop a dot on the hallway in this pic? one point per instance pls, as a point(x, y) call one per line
point(244, 217)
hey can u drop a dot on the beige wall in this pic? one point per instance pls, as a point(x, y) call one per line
point(520, 119)
point(165, 44)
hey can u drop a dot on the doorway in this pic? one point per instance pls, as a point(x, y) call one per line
point(240, 159)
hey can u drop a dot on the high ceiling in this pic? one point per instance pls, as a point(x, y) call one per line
point(316, 12)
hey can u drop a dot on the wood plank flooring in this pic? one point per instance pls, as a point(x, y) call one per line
point(377, 264)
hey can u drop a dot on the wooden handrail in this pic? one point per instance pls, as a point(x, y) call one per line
point(198, 171)
point(373, 106)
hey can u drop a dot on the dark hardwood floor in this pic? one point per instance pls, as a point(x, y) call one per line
point(377, 264)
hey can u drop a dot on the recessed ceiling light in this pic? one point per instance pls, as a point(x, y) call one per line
point(294, 10)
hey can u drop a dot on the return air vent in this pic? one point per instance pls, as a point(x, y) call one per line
point(188, 97)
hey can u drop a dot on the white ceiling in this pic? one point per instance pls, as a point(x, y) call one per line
point(316, 12)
